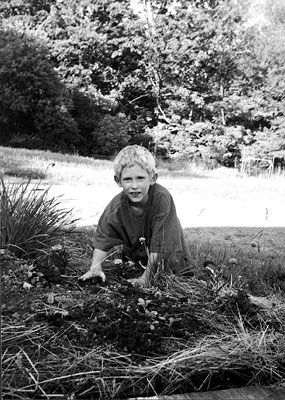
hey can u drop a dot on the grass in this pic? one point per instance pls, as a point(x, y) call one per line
point(67, 168)
point(261, 273)
point(55, 167)
point(30, 222)
point(73, 170)
point(18, 165)
point(246, 269)
point(25, 173)
point(181, 178)
point(35, 362)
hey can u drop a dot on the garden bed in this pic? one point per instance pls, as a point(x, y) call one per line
point(63, 339)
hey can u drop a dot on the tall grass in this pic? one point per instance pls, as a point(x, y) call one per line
point(59, 168)
point(55, 168)
point(30, 221)
point(258, 273)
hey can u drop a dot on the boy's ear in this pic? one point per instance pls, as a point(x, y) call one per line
point(154, 178)
point(117, 181)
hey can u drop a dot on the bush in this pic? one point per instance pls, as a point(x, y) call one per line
point(112, 135)
point(30, 220)
point(212, 143)
point(35, 105)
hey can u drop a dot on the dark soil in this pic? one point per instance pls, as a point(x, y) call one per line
point(131, 319)
point(139, 323)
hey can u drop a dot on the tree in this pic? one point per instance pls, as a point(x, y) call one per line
point(34, 104)
point(175, 63)
point(10, 8)
point(271, 46)
point(97, 52)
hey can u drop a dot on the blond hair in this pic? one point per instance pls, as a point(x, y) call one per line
point(131, 155)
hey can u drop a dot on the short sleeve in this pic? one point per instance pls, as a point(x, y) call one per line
point(106, 235)
point(167, 235)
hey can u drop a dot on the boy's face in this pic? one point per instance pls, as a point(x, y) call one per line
point(135, 182)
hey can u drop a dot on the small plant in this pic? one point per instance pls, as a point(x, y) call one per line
point(30, 220)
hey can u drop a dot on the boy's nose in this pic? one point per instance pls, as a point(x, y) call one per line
point(134, 184)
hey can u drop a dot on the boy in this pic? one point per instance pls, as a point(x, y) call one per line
point(142, 218)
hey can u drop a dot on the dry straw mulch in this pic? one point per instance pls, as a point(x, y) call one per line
point(65, 341)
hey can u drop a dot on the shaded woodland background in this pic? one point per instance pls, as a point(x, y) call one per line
point(188, 79)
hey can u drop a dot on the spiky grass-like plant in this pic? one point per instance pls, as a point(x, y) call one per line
point(30, 220)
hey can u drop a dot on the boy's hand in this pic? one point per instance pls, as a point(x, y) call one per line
point(140, 282)
point(93, 273)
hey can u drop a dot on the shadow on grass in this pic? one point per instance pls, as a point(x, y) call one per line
point(25, 173)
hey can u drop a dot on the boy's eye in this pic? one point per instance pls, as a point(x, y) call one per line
point(139, 178)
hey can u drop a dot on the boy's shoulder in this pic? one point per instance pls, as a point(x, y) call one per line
point(160, 195)
point(158, 189)
point(116, 202)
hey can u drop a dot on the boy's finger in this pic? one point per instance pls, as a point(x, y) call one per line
point(85, 276)
point(89, 275)
point(136, 282)
point(102, 276)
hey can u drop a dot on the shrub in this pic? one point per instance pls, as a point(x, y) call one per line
point(112, 135)
point(30, 220)
point(35, 107)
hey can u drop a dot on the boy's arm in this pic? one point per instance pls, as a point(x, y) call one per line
point(96, 266)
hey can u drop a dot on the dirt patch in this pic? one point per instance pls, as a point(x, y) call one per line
point(113, 340)
point(130, 319)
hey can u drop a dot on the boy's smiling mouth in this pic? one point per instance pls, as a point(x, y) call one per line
point(136, 182)
point(135, 194)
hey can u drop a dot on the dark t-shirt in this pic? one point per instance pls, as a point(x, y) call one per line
point(159, 225)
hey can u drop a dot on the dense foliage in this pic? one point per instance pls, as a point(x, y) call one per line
point(189, 78)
